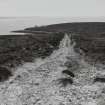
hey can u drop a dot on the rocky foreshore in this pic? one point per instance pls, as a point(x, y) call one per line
point(38, 83)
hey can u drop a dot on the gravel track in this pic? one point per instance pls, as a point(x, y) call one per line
point(37, 83)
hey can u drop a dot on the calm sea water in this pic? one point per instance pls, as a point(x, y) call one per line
point(10, 24)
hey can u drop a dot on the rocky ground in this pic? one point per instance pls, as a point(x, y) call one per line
point(17, 49)
point(39, 83)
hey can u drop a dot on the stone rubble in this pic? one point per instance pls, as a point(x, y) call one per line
point(37, 83)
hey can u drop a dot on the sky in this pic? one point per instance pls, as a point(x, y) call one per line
point(53, 8)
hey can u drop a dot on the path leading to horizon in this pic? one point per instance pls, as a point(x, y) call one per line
point(37, 83)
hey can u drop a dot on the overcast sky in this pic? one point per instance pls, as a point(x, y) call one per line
point(55, 8)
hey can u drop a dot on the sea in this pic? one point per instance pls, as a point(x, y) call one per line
point(8, 24)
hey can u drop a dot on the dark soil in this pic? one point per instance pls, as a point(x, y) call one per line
point(15, 49)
